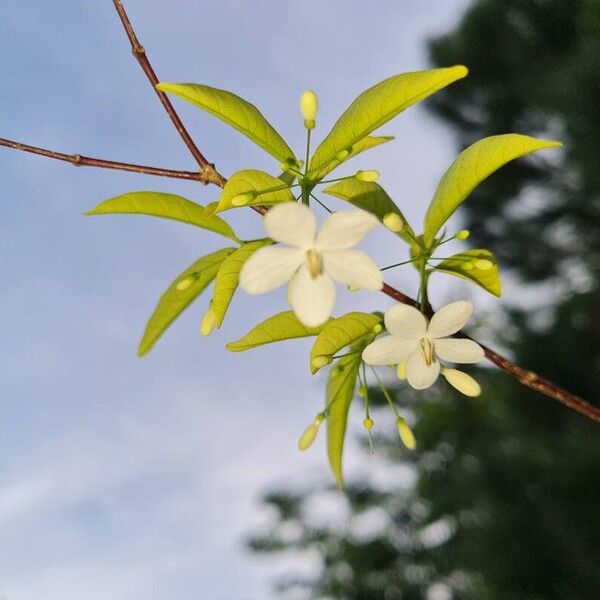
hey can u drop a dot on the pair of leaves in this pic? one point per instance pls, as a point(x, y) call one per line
point(164, 206)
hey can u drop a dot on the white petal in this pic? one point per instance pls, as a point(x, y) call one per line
point(462, 382)
point(419, 375)
point(268, 268)
point(353, 267)
point(388, 350)
point(405, 321)
point(450, 318)
point(458, 351)
point(311, 299)
point(291, 223)
point(344, 229)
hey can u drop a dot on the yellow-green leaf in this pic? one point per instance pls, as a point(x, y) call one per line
point(250, 188)
point(180, 294)
point(341, 332)
point(470, 168)
point(282, 326)
point(228, 277)
point(378, 105)
point(164, 206)
point(340, 391)
point(365, 144)
point(478, 266)
point(371, 197)
point(234, 111)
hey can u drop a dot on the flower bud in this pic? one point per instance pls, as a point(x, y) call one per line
point(353, 288)
point(310, 433)
point(368, 423)
point(484, 264)
point(362, 391)
point(309, 105)
point(242, 199)
point(394, 222)
point(318, 362)
point(406, 435)
point(464, 383)
point(367, 176)
point(209, 321)
point(463, 234)
point(401, 370)
point(377, 328)
point(342, 155)
point(184, 284)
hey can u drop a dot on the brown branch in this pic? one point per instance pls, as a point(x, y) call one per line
point(211, 174)
point(85, 161)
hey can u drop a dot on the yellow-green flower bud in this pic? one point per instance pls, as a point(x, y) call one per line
point(310, 433)
point(362, 391)
point(367, 176)
point(394, 222)
point(463, 234)
point(483, 264)
point(184, 284)
point(318, 362)
point(377, 328)
point(406, 435)
point(208, 321)
point(242, 199)
point(353, 288)
point(368, 423)
point(401, 370)
point(309, 105)
point(342, 155)
point(464, 383)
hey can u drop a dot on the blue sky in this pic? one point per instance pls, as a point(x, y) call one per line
point(124, 478)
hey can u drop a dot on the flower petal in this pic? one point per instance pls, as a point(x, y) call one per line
point(268, 268)
point(311, 299)
point(344, 229)
point(450, 318)
point(388, 350)
point(464, 383)
point(458, 351)
point(419, 375)
point(291, 223)
point(405, 321)
point(353, 267)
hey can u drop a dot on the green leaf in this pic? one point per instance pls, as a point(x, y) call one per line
point(174, 301)
point(165, 206)
point(365, 144)
point(282, 326)
point(228, 277)
point(341, 332)
point(234, 111)
point(260, 188)
point(340, 391)
point(377, 106)
point(470, 168)
point(468, 265)
point(371, 197)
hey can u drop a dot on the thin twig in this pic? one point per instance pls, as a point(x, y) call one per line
point(523, 376)
point(139, 52)
point(85, 161)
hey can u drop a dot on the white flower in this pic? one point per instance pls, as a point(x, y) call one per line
point(312, 260)
point(417, 345)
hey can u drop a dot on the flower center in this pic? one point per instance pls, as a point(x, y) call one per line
point(315, 263)
point(426, 346)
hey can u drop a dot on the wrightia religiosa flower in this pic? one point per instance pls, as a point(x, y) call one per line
point(312, 259)
point(417, 345)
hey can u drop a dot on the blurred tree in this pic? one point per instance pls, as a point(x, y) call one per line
point(505, 504)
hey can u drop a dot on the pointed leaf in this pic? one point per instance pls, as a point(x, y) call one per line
point(340, 391)
point(478, 266)
point(378, 105)
point(371, 197)
point(165, 206)
point(228, 277)
point(260, 188)
point(282, 326)
point(234, 111)
point(365, 144)
point(471, 167)
point(341, 332)
point(175, 300)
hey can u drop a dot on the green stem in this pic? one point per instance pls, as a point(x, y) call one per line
point(386, 394)
point(404, 262)
point(321, 203)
